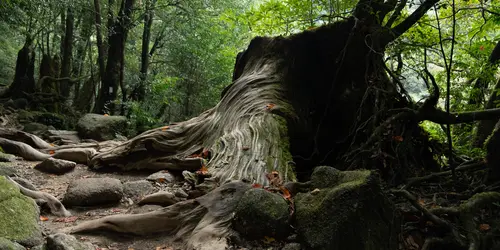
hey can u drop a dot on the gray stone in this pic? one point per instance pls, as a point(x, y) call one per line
point(55, 166)
point(181, 193)
point(9, 245)
point(7, 157)
point(136, 189)
point(62, 241)
point(292, 246)
point(100, 127)
point(346, 211)
point(161, 176)
point(93, 191)
point(261, 213)
point(35, 127)
point(61, 135)
point(19, 216)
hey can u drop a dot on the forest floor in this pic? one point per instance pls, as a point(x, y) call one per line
point(57, 185)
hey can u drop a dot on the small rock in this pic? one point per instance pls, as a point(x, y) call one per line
point(6, 169)
point(62, 241)
point(93, 191)
point(7, 157)
point(292, 246)
point(55, 166)
point(161, 176)
point(7, 244)
point(25, 183)
point(137, 188)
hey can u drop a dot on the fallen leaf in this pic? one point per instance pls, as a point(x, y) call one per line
point(51, 144)
point(268, 240)
point(164, 128)
point(315, 191)
point(274, 179)
point(256, 185)
point(51, 152)
point(43, 218)
point(116, 210)
point(203, 170)
point(481, 47)
point(161, 180)
point(398, 138)
point(286, 194)
point(106, 115)
point(205, 154)
point(484, 227)
point(270, 106)
point(421, 202)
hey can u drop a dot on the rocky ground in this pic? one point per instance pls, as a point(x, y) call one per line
point(134, 186)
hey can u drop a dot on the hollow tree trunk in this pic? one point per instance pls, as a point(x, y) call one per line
point(24, 81)
point(116, 42)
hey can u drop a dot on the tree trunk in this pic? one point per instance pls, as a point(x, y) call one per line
point(140, 91)
point(100, 44)
point(24, 80)
point(65, 86)
point(116, 42)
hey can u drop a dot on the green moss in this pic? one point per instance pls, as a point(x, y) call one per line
point(6, 244)
point(1, 150)
point(18, 213)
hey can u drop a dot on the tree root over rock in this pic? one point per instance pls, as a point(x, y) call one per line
point(55, 206)
point(202, 222)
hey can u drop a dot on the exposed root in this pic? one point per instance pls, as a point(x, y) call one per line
point(30, 139)
point(22, 149)
point(56, 207)
point(207, 218)
point(161, 198)
point(416, 180)
point(78, 155)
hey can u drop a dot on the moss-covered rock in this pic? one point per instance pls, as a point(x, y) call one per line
point(261, 213)
point(45, 118)
point(100, 127)
point(19, 216)
point(7, 157)
point(347, 211)
point(7, 169)
point(6, 244)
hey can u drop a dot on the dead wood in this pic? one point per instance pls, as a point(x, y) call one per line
point(30, 139)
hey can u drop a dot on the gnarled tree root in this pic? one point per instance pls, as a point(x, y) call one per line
point(199, 222)
point(30, 139)
point(161, 198)
point(22, 149)
point(56, 207)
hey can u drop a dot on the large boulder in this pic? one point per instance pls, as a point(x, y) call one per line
point(346, 210)
point(261, 213)
point(9, 245)
point(19, 216)
point(7, 169)
point(100, 127)
point(93, 191)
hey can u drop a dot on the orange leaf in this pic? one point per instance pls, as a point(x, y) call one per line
point(398, 138)
point(286, 193)
point(51, 152)
point(164, 128)
point(270, 106)
point(481, 47)
point(43, 218)
point(51, 144)
point(203, 170)
point(161, 180)
point(106, 115)
point(484, 227)
point(256, 185)
point(421, 202)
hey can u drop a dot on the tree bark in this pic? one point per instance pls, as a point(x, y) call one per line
point(24, 80)
point(140, 91)
point(65, 86)
point(116, 42)
point(100, 45)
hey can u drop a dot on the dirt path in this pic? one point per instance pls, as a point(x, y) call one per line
point(57, 185)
